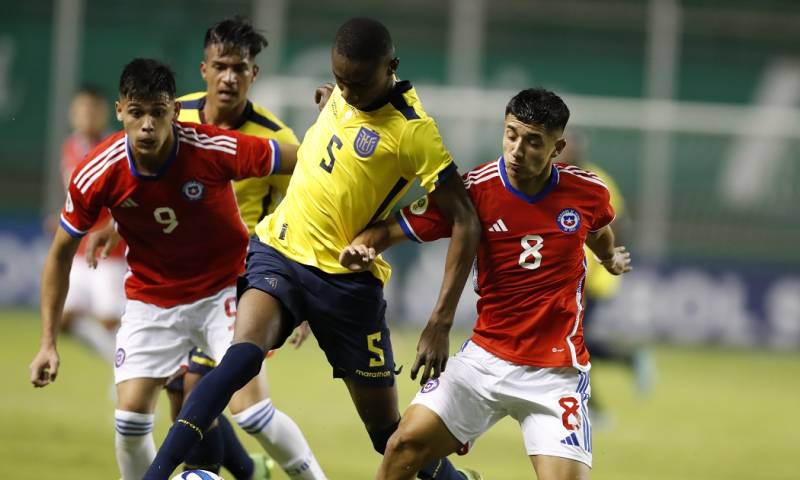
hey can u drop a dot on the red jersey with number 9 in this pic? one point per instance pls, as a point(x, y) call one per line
point(186, 240)
point(530, 267)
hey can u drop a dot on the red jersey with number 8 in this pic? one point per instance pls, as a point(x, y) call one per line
point(530, 267)
point(186, 240)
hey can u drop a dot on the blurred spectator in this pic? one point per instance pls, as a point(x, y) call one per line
point(96, 298)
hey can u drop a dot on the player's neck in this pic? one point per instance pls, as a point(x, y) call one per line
point(150, 165)
point(532, 186)
point(222, 117)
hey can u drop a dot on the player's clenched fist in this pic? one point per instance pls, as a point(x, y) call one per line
point(44, 367)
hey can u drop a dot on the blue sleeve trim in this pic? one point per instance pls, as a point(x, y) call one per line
point(276, 157)
point(72, 231)
point(405, 227)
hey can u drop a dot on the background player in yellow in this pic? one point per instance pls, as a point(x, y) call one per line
point(229, 69)
point(371, 140)
point(601, 287)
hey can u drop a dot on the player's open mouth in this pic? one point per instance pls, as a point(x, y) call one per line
point(146, 143)
point(227, 95)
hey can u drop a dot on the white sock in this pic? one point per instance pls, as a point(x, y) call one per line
point(282, 439)
point(90, 333)
point(134, 443)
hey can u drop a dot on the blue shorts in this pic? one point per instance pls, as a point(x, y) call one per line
point(199, 363)
point(346, 312)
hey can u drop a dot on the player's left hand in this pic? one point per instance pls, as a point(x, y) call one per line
point(106, 238)
point(44, 366)
point(322, 94)
point(300, 335)
point(619, 263)
point(357, 258)
point(433, 350)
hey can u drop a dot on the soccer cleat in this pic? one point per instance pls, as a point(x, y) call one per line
point(469, 474)
point(263, 466)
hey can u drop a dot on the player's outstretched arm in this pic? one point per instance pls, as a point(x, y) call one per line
point(433, 347)
point(55, 282)
point(288, 159)
point(368, 244)
point(617, 260)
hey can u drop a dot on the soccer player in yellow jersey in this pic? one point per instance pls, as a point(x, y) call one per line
point(371, 140)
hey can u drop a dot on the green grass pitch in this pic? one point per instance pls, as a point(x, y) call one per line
point(714, 414)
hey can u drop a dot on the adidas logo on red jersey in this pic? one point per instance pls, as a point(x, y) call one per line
point(499, 226)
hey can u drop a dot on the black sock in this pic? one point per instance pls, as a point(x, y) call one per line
point(235, 459)
point(207, 453)
point(440, 469)
point(240, 364)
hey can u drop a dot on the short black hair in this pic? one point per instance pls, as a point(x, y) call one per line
point(363, 39)
point(146, 79)
point(541, 107)
point(236, 33)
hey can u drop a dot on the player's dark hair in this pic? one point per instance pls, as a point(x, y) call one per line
point(146, 79)
point(537, 106)
point(236, 34)
point(363, 39)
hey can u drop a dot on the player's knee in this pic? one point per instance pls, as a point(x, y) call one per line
point(380, 436)
point(407, 446)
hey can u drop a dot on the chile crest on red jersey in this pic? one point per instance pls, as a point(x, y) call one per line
point(568, 220)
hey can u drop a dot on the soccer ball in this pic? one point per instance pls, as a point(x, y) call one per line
point(197, 475)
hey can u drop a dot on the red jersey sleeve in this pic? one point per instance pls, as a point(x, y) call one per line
point(256, 157)
point(422, 221)
point(604, 213)
point(234, 155)
point(81, 209)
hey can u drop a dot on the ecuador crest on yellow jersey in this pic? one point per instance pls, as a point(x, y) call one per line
point(353, 166)
point(257, 197)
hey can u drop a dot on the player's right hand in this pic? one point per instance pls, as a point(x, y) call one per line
point(106, 238)
point(322, 94)
point(357, 258)
point(619, 263)
point(44, 367)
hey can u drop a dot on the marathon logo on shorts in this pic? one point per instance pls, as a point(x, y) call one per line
point(569, 220)
point(193, 190)
point(432, 385)
point(366, 142)
point(119, 357)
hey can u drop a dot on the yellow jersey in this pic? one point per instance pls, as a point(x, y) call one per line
point(257, 197)
point(352, 167)
point(599, 283)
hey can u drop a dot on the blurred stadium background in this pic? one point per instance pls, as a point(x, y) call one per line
point(692, 106)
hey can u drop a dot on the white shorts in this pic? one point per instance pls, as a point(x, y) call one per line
point(99, 293)
point(153, 342)
point(551, 404)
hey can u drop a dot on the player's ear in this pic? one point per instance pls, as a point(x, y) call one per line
point(203, 70)
point(256, 69)
point(393, 64)
point(561, 143)
point(177, 111)
point(118, 110)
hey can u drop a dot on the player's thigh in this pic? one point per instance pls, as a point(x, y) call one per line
point(465, 396)
point(551, 406)
point(260, 320)
point(550, 467)
point(139, 394)
point(150, 342)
